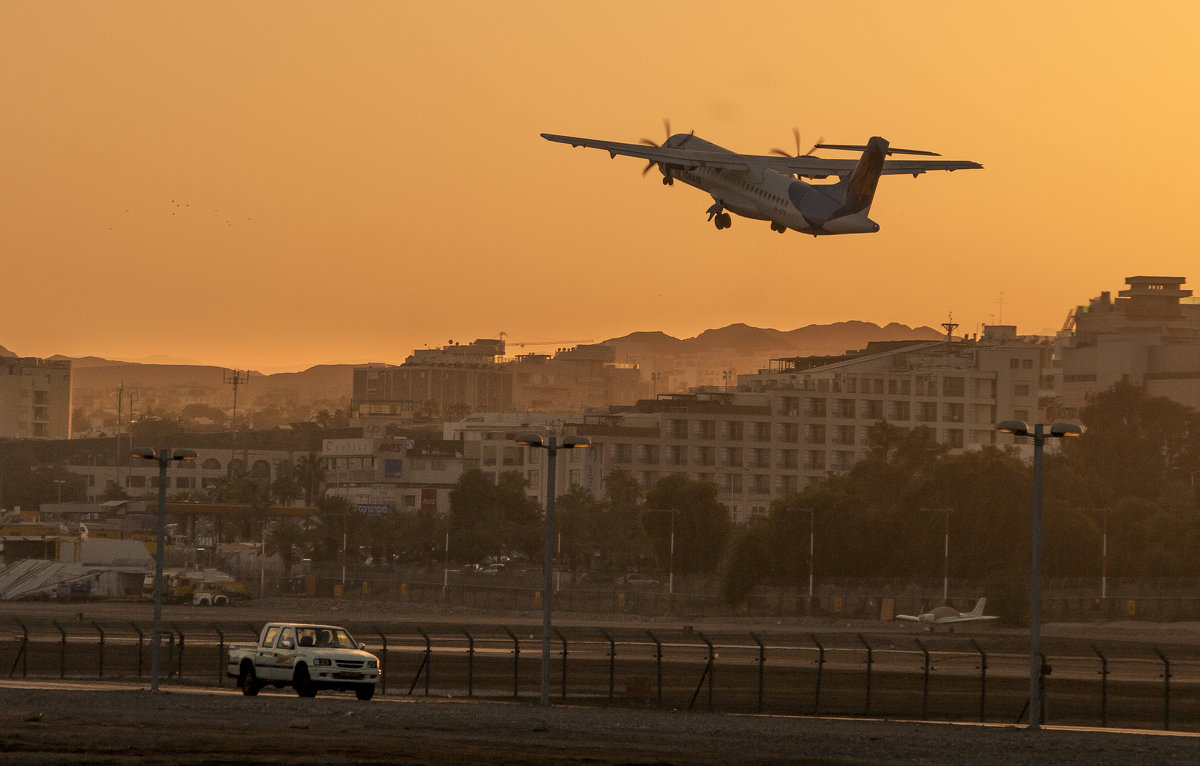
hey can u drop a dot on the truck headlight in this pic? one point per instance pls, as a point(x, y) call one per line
point(323, 661)
point(372, 663)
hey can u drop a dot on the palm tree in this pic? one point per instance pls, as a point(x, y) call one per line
point(310, 475)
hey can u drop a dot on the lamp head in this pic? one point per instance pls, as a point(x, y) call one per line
point(1014, 427)
point(1060, 429)
point(569, 442)
point(145, 453)
point(529, 439)
point(183, 454)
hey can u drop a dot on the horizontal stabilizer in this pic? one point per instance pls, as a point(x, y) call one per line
point(890, 151)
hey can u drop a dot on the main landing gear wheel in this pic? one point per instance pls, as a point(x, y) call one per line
point(778, 227)
point(723, 220)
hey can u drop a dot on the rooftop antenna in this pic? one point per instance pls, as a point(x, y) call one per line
point(950, 326)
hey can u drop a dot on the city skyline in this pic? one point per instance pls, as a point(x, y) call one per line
point(276, 186)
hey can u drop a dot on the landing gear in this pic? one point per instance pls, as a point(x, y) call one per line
point(717, 214)
point(668, 180)
point(778, 227)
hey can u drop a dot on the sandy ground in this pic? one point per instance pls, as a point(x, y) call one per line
point(49, 722)
point(130, 726)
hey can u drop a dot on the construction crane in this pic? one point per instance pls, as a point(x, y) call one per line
point(560, 343)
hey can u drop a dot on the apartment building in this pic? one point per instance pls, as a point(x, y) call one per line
point(801, 418)
point(1149, 335)
point(185, 478)
point(455, 380)
point(35, 398)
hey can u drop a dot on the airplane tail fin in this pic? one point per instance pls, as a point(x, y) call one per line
point(860, 187)
point(978, 610)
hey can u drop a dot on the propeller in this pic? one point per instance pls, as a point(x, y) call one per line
point(648, 142)
point(796, 133)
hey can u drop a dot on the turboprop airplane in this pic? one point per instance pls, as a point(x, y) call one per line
point(949, 616)
point(769, 188)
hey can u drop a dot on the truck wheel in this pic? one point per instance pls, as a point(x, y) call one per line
point(365, 693)
point(303, 683)
point(248, 681)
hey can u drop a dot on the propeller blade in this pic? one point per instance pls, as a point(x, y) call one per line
point(646, 169)
point(648, 142)
point(796, 133)
point(781, 153)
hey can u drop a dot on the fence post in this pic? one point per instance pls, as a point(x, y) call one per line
point(708, 673)
point(179, 659)
point(982, 680)
point(1103, 686)
point(96, 625)
point(657, 663)
point(470, 664)
point(612, 663)
point(820, 668)
point(426, 662)
point(1166, 689)
point(762, 661)
point(563, 639)
point(925, 685)
point(516, 658)
point(62, 650)
point(870, 665)
point(141, 649)
point(382, 661)
point(22, 654)
point(220, 655)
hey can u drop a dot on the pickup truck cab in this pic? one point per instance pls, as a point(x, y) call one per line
point(306, 657)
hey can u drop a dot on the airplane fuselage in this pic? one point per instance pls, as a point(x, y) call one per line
point(768, 195)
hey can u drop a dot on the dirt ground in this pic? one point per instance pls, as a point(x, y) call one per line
point(54, 722)
point(129, 726)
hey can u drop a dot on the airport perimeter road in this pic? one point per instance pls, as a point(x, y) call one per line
point(51, 723)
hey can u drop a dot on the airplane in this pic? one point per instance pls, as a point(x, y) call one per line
point(949, 616)
point(769, 188)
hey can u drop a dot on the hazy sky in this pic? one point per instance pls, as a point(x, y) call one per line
point(280, 184)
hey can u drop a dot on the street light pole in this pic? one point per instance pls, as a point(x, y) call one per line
point(1039, 434)
point(162, 457)
point(534, 440)
point(945, 551)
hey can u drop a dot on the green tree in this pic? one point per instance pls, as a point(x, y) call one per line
point(702, 524)
point(310, 475)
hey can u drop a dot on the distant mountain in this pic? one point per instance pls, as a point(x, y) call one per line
point(743, 339)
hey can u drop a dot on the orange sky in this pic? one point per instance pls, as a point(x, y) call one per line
point(279, 184)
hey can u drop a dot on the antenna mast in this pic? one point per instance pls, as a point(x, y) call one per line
point(235, 378)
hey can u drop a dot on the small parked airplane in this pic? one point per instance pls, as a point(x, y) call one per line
point(949, 616)
point(768, 188)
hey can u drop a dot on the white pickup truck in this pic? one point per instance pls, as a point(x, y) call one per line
point(306, 657)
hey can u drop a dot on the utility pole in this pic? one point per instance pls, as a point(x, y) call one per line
point(235, 378)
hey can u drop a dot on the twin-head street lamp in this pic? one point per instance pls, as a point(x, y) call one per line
point(531, 439)
point(1039, 434)
point(163, 457)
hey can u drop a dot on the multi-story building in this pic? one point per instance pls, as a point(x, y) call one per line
point(35, 398)
point(805, 417)
point(381, 476)
point(1149, 335)
point(185, 478)
point(456, 380)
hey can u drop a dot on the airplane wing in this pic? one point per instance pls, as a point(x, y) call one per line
point(809, 167)
point(689, 159)
point(908, 618)
point(969, 618)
